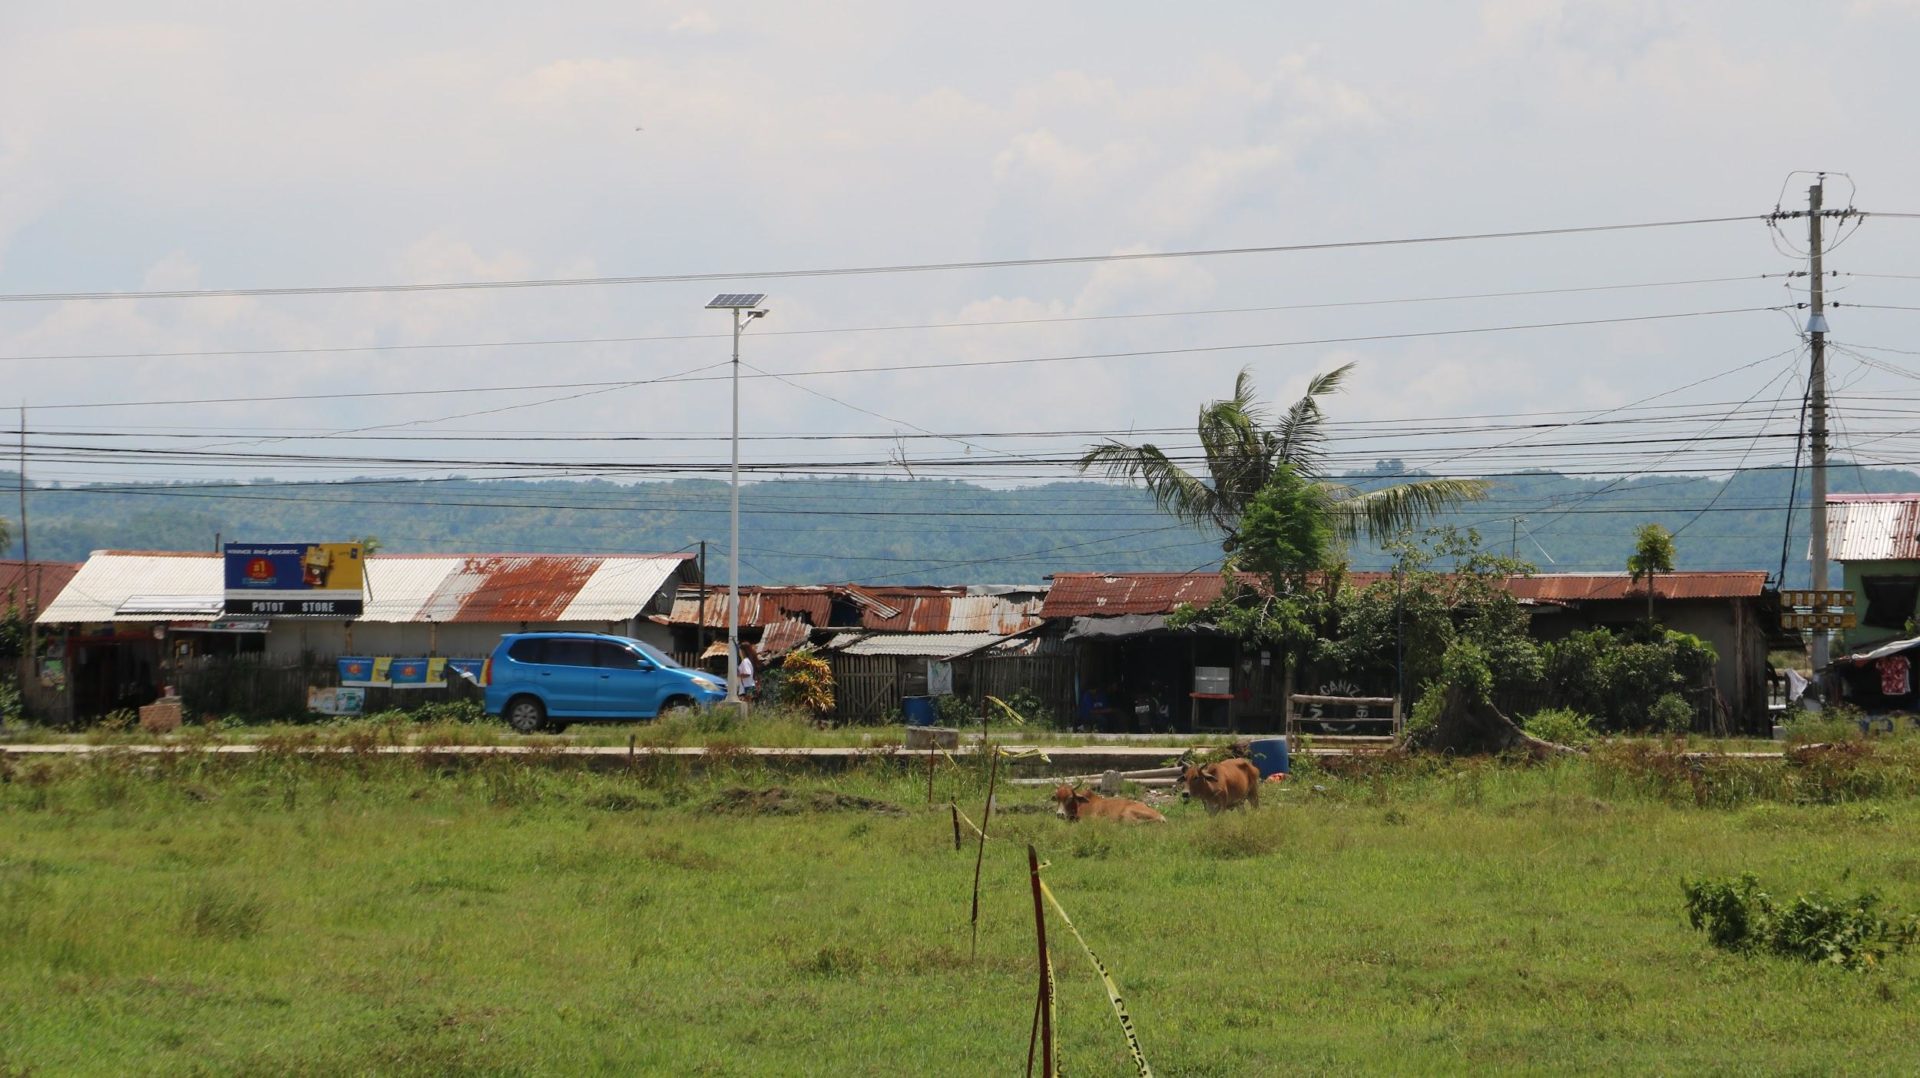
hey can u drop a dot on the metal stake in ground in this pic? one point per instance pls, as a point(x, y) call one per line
point(1042, 1008)
point(980, 854)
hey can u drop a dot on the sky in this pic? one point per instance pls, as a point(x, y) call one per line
point(226, 146)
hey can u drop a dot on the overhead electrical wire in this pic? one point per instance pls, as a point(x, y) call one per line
point(984, 323)
point(945, 365)
point(853, 271)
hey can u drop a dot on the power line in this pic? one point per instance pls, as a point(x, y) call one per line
point(852, 271)
point(985, 323)
point(951, 365)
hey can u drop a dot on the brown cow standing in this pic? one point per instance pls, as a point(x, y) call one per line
point(1075, 804)
point(1224, 785)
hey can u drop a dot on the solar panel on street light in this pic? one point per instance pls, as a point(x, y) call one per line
point(734, 301)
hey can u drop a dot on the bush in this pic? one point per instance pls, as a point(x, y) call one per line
point(12, 704)
point(1619, 678)
point(1671, 713)
point(956, 710)
point(1425, 715)
point(1737, 916)
point(806, 681)
point(1563, 726)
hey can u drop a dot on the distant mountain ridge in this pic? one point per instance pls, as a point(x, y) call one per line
point(905, 531)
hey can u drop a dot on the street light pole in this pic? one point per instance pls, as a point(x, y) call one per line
point(744, 306)
point(733, 540)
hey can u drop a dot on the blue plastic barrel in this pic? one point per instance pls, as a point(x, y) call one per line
point(1270, 756)
point(918, 710)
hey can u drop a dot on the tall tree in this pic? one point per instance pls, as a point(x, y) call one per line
point(1243, 449)
point(1652, 554)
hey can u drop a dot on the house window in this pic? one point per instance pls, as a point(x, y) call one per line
point(1890, 600)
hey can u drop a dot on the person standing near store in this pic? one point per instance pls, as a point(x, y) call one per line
point(747, 684)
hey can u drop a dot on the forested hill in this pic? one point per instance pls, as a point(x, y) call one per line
point(901, 531)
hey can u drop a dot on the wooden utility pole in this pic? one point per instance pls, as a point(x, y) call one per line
point(1817, 406)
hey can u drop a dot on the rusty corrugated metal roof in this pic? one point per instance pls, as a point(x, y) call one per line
point(1579, 587)
point(1873, 527)
point(783, 636)
point(33, 584)
point(1078, 595)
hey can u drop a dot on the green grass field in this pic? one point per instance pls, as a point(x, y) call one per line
point(378, 915)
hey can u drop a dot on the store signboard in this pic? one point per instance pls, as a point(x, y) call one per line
point(294, 580)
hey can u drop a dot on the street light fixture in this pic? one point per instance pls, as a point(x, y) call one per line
point(745, 307)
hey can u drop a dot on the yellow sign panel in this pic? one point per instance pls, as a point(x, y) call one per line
point(1809, 597)
point(1843, 620)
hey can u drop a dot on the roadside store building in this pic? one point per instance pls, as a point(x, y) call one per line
point(131, 623)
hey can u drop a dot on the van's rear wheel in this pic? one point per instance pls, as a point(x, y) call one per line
point(526, 714)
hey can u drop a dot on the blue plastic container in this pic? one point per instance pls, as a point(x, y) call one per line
point(1269, 754)
point(918, 710)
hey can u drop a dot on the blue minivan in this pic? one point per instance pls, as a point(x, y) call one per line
point(541, 681)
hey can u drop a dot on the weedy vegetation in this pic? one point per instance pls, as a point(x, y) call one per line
point(363, 913)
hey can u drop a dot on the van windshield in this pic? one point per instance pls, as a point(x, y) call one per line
point(659, 657)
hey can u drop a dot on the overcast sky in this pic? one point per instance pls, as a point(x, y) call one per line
point(186, 146)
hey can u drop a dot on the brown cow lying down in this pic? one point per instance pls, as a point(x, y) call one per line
point(1076, 804)
point(1224, 785)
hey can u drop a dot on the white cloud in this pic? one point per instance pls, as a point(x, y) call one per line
point(291, 147)
point(698, 23)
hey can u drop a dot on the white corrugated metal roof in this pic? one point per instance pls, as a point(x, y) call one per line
point(110, 578)
point(931, 645)
point(1873, 527)
point(399, 588)
point(620, 588)
point(409, 589)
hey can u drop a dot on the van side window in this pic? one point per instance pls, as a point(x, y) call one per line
point(570, 652)
point(528, 651)
point(615, 657)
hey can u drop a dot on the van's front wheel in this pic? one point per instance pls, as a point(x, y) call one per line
point(526, 714)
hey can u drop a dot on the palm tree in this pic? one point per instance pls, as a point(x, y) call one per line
point(1244, 450)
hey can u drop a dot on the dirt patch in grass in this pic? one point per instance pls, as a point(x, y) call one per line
point(780, 801)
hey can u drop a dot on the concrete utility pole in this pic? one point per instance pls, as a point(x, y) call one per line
point(29, 599)
point(1817, 406)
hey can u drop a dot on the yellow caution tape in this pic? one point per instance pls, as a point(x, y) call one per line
point(974, 827)
point(1113, 990)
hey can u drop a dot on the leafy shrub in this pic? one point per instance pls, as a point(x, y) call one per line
point(956, 710)
point(1425, 715)
point(1671, 713)
point(1618, 678)
point(12, 705)
point(806, 681)
point(1737, 916)
point(1560, 725)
